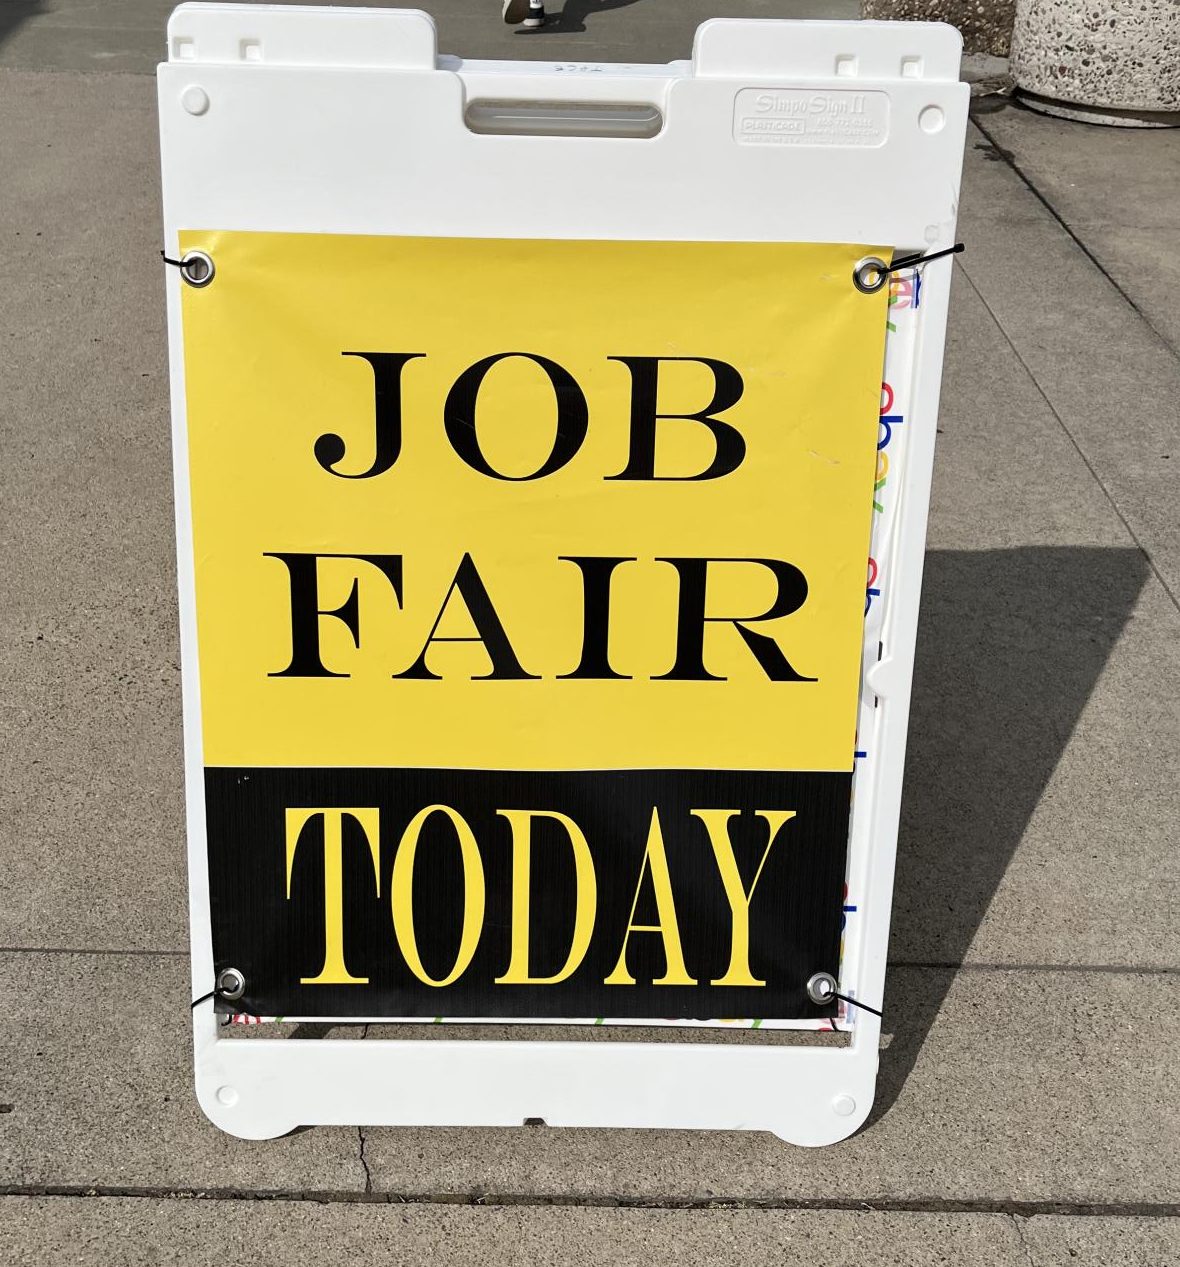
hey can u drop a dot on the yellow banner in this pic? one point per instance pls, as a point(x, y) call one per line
point(530, 505)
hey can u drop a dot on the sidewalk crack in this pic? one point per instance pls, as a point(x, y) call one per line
point(360, 1131)
point(1019, 1223)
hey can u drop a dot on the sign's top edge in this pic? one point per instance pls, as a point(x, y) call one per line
point(407, 39)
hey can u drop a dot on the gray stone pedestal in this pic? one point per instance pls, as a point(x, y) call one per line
point(1103, 61)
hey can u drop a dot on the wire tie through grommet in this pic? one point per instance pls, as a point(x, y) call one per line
point(844, 998)
point(231, 985)
point(870, 274)
point(908, 261)
point(821, 989)
point(196, 267)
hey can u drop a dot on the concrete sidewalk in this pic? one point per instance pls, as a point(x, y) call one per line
point(1026, 1112)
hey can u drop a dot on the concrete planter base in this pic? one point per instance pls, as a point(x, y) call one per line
point(1113, 62)
point(1108, 117)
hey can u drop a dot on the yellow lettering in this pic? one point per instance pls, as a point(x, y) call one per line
point(585, 889)
point(402, 895)
point(655, 860)
point(334, 971)
point(717, 825)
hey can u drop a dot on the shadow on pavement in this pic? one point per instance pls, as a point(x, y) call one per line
point(1010, 645)
point(573, 14)
point(15, 12)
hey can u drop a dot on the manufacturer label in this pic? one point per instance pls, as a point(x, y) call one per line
point(805, 116)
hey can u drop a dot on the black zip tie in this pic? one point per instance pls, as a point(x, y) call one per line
point(177, 264)
point(204, 997)
point(857, 1003)
point(908, 261)
point(871, 274)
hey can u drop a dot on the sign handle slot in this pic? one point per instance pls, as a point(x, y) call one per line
point(623, 120)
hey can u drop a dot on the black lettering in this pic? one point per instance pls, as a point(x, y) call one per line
point(727, 391)
point(573, 416)
point(691, 621)
point(306, 610)
point(387, 408)
point(596, 574)
point(469, 583)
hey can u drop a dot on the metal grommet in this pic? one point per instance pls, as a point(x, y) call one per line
point(821, 988)
point(869, 275)
point(231, 985)
point(197, 268)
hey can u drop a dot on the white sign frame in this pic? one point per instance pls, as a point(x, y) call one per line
point(270, 118)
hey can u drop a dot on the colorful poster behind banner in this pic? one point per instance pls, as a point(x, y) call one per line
point(530, 585)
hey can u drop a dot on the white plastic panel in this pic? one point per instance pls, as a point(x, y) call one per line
point(291, 35)
point(295, 119)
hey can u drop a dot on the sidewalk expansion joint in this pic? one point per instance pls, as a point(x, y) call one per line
point(86, 950)
point(924, 965)
point(865, 1205)
point(1069, 435)
point(1010, 160)
point(1114, 969)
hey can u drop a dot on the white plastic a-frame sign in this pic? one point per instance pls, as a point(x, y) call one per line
point(553, 448)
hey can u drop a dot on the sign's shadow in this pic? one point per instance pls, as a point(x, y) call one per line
point(1010, 646)
point(14, 13)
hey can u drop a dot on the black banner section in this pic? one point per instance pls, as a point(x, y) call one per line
point(463, 893)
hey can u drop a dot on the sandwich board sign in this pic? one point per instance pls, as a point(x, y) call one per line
point(552, 450)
